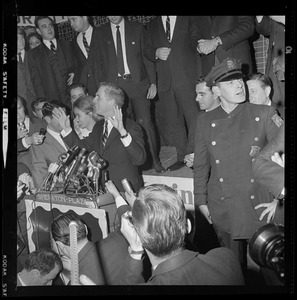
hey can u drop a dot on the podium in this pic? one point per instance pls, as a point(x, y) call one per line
point(42, 208)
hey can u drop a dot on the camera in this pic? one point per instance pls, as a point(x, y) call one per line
point(266, 248)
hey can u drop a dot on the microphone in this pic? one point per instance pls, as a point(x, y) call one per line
point(96, 160)
point(74, 166)
point(73, 152)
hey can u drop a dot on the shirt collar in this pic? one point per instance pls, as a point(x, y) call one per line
point(88, 32)
point(48, 43)
point(121, 24)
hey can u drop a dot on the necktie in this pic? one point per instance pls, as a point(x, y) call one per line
point(105, 134)
point(120, 60)
point(53, 48)
point(20, 57)
point(168, 28)
point(86, 43)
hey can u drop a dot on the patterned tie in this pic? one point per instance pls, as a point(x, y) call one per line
point(168, 28)
point(86, 43)
point(105, 134)
point(20, 57)
point(120, 59)
point(53, 48)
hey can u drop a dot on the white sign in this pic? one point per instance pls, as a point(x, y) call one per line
point(29, 20)
point(183, 186)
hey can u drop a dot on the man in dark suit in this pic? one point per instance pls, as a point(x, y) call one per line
point(86, 52)
point(176, 68)
point(25, 86)
point(51, 64)
point(136, 77)
point(227, 140)
point(27, 133)
point(225, 36)
point(123, 144)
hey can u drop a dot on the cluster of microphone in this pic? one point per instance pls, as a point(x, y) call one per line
point(70, 167)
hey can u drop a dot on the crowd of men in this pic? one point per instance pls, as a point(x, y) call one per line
point(123, 89)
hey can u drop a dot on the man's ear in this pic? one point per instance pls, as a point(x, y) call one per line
point(34, 274)
point(189, 225)
point(216, 91)
point(267, 91)
point(47, 119)
point(86, 229)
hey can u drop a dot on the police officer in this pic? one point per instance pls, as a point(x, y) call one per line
point(227, 140)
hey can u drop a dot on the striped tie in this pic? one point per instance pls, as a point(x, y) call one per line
point(105, 134)
point(168, 28)
point(53, 48)
point(86, 43)
point(20, 57)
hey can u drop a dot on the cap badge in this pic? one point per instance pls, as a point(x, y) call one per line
point(230, 64)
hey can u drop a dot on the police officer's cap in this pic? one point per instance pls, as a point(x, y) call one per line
point(228, 69)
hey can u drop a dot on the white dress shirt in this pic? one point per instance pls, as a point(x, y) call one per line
point(88, 36)
point(114, 34)
point(47, 43)
point(172, 24)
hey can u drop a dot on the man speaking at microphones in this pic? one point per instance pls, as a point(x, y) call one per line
point(117, 139)
point(43, 155)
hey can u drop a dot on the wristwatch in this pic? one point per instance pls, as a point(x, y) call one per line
point(131, 251)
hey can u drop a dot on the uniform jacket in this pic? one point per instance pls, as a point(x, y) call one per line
point(122, 161)
point(88, 70)
point(42, 74)
point(234, 32)
point(270, 174)
point(180, 68)
point(42, 156)
point(25, 86)
point(225, 146)
point(219, 266)
point(141, 69)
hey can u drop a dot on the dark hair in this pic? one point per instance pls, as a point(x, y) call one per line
point(24, 103)
point(77, 85)
point(263, 78)
point(36, 34)
point(200, 79)
point(43, 260)
point(36, 102)
point(22, 32)
point(38, 18)
point(48, 107)
point(60, 228)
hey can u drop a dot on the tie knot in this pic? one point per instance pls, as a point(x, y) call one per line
point(118, 27)
point(53, 47)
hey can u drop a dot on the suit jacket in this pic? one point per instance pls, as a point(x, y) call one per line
point(23, 152)
point(42, 156)
point(270, 174)
point(276, 33)
point(180, 68)
point(122, 161)
point(219, 266)
point(225, 146)
point(90, 264)
point(42, 74)
point(88, 70)
point(141, 69)
point(234, 32)
point(25, 85)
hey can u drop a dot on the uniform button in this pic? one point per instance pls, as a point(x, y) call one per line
point(252, 197)
point(252, 180)
point(213, 143)
point(257, 119)
point(221, 179)
point(256, 139)
point(222, 198)
point(217, 161)
point(213, 125)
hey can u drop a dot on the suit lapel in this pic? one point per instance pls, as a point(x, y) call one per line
point(52, 141)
